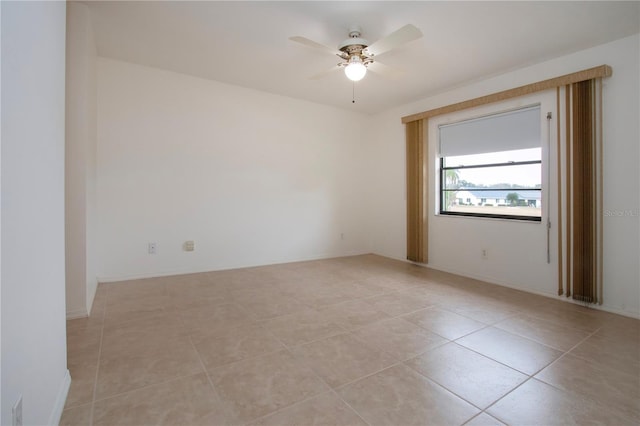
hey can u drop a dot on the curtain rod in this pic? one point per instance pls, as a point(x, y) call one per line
point(552, 83)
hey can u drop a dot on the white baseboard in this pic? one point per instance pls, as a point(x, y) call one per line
point(92, 288)
point(78, 313)
point(61, 399)
point(198, 270)
point(604, 307)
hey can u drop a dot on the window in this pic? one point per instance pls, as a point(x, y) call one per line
point(492, 166)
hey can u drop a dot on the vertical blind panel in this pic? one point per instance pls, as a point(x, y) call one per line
point(584, 249)
point(416, 249)
point(519, 129)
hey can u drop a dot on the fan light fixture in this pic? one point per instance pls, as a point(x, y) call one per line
point(355, 70)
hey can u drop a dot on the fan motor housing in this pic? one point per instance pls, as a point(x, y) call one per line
point(354, 45)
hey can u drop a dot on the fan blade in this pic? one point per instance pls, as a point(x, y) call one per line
point(315, 45)
point(385, 70)
point(324, 73)
point(397, 38)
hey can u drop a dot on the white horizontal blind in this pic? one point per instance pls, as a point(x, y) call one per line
point(519, 129)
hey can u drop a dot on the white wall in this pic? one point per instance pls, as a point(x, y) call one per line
point(516, 250)
point(80, 170)
point(252, 178)
point(621, 177)
point(32, 168)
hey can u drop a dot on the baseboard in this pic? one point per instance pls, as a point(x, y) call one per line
point(61, 399)
point(91, 295)
point(551, 295)
point(198, 270)
point(78, 313)
point(605, 308)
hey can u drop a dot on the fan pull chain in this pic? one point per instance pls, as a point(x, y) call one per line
point(353, 93)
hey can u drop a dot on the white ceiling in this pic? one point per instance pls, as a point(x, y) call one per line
point(246, 43)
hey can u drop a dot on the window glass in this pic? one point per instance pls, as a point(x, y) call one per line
point(501, 184)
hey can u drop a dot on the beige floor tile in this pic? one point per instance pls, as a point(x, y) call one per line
point(545, 332)
point(596, 382)
point(77, 416)
point(83, 379)
point(536, 403)
point(212, 318)
point(386, 284)
point(399, 303)
point(134, 290)
point(514, 351)
point(322, 410)
point(256, 292)
point(620, 328)
point(475, 378)
point(570, 315)
point(142, 335)
point(363, 288)
point(137, 366)
point(488, 313)
point(303, 327)
point(196, 294)
point(353, 314)
point(618, 353)
point(400, 396)
point(155, 328)
point(318, 294)
point(185, 401)
point(235, 344)
point(230, 279)
point(99, 305)
point(259, 386)
point(483, 419)
point(85, 343)
point(399, 338)
point(341, 359)
point(272, 305)
point(445, 323)
point(84, 327)
point(445, 298)
point(137, 339)
point(83, 352)
point(136, 309)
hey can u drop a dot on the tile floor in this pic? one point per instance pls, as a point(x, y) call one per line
point(361, 340)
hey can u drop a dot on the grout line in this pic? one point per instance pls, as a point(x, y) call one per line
point(531, 376)
point(539, 341)
point(228, 412)
point(345, 331)
point(349, 405)
point(249, 358)
point(495, 360)
point(95, 381)
point(366, 376)
point(503, 397)
point(331, 389)
point(431, 379)
point(300, 364)
point(564, 353)
point(167, 380)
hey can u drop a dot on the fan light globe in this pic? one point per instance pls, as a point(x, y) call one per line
point(356, 70)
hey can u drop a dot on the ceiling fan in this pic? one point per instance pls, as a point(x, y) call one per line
point(358, 55)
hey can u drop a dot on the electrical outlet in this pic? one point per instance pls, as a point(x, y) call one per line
point(342, 236)
point(189, 245)
point(16, 413)
point(485, 254)
point(152, 248)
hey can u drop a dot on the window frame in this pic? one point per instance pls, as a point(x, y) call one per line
point(442, 169)
point(442, 190)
